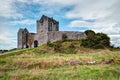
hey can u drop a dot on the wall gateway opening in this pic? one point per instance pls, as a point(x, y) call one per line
point(35, 43)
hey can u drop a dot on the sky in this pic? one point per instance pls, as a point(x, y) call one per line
point(73, 15)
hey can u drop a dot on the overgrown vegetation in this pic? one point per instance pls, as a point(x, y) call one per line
point(64, 37)
point(61, 60)
point(43, 63)
point(95, 40)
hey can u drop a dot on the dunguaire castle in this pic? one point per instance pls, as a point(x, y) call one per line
point(47, 30)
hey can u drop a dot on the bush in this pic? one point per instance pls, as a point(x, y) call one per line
point(71, 46)
point(98, 46)
point(57, 46)
point(49, 44)
point(89, 34)
point(95, 41)
point(64, 37)
point(71, 49)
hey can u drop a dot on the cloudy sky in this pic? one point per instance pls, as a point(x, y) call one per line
point(76, 15)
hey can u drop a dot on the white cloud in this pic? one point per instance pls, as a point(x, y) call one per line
point(6, 39)
point(115, 40)
point(23, 22)
point(105, 14)
point(7, 9)
point(91, 9)
point(79, 23)
point(8, 20)
point(61, 3)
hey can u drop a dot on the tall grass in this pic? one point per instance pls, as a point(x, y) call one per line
point(43, 63)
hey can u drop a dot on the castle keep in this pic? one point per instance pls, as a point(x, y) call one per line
point(47, 30)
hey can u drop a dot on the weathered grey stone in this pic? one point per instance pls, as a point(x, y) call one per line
point(108, 61)
point(47, 30)
point(22, 38)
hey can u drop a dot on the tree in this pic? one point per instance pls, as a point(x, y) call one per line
point(96, 41)
point(90, 34)
point(103, 39)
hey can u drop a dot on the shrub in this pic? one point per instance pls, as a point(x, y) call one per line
point(89, 34)
point(49, 44)
point(64, 37)
point(70, 49)
point(98, 46)
point(57, 46)
point(95, 41)
point(71, 46)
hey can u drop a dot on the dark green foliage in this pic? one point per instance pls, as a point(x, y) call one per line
point(72, 48)
point(57, 46)
point(89, 34)
point(2, 62)
point(95, 41)
point(64, 37)
point(49, 44)
point(53, 44)
point(112, 46)
point(98, 46)
point(39, 51)
point(103, 39)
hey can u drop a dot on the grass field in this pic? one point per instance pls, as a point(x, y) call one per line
point(43, 63)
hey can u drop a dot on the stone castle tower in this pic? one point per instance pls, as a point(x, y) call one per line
point(22, 38)
point(44, 25)
point(47, 30)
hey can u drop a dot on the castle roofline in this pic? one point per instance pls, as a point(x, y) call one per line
point(32, 33)
point(25, 29)
point(44, 16)
point(20, 30)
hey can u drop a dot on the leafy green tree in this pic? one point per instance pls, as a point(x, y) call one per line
point(103, 39)
point(90, 34)
point(96, 41)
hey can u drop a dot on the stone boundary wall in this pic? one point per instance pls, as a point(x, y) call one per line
point(33, 35)
point(54, 35)
point(57, 35)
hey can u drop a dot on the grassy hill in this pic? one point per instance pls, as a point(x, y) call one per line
point(68, 61)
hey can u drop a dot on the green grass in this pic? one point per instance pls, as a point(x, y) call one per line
point(43, 63)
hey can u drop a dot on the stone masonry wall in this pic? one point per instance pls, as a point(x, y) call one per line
point(20, 39)
point(47, 30)
point(42, 29)
point(57, 35)
point(33, 38)
point(54, 35)
point(41, 38)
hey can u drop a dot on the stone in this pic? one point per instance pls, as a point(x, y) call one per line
point(91, 62)
point(74, 62)
point(47, 30)
point(108, 61)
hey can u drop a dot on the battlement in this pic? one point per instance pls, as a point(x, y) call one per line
point(46, 24)
point(47, 30)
